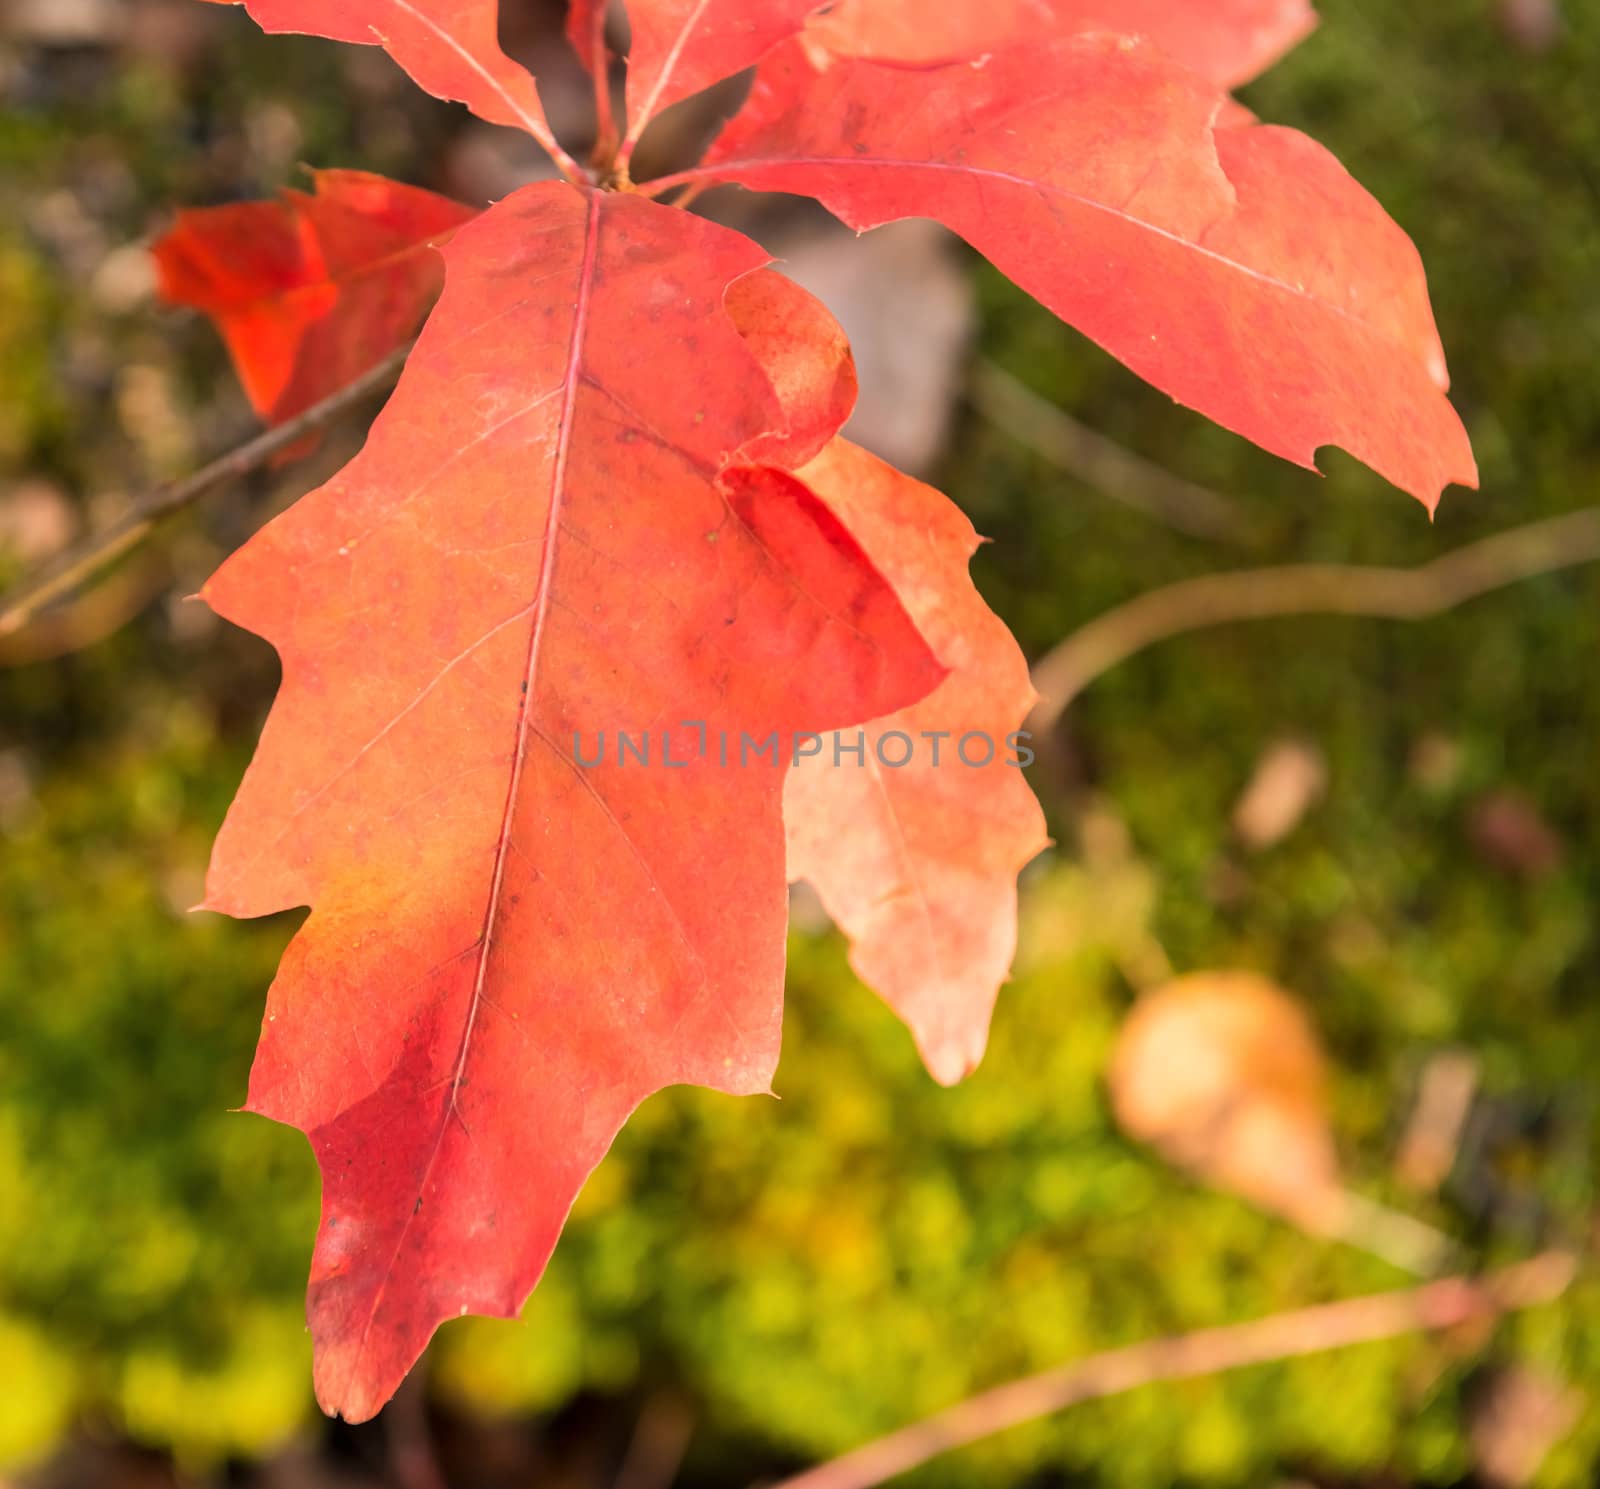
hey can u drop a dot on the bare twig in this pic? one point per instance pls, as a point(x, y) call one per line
point(102, 612)
point(1308, 589)
point(82, 562)
point(1280, 1336)
point(1035, 422)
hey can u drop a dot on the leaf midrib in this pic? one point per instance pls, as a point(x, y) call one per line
point(571, 381)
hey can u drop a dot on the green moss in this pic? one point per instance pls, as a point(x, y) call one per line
point(30, 408)
point(152, 1238)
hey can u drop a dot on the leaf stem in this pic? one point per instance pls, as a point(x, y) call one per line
point(700, 176)
point(575, 173)
point(687, 200)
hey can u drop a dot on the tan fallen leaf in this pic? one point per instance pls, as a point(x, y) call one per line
point(1290, 778)
point(1517, 1418)
point(1223, 1074)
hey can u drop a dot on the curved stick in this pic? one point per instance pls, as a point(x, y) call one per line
point(1279, 1336)
point(1307, 589)
point(85, 560)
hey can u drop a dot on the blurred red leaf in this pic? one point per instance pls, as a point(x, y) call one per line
point(311, 290)
point(1508, 833)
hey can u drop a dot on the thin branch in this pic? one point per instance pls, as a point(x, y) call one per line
point(692, 195)
point(1308, 589)
point(569, 168)
point(1280, 1336)
point(703, 176)
point(87, 559)
point(1038, 424)
point(100, 613)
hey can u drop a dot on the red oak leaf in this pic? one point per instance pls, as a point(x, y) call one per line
point(547, 539)
point(1241, 270)
point(916, 862)
point(1228, 41)
point(913, 831)
point(807, 359)
point(451, 48)
point(682, 46)
point(310, 291)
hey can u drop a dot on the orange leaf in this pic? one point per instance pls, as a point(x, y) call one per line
point(548, 538)
point(1228, 41)
point(682, 46)
point(450, 48)
point(586, 28)
point(804, 353)
point(310, 291)
point(1224, 1074)
point(1240, 270)
point(915, 841)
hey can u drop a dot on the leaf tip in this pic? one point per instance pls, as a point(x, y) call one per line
point(953, 1056)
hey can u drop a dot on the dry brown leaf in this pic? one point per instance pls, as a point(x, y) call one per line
point(1517, 1419)
point(1535, 25)
point(1432, 1141)
point(1508, 834)
point(1290, 778)
point(1222, 1073)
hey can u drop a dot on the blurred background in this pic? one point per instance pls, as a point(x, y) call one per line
point(1394, 826)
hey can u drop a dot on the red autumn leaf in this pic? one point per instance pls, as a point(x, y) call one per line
point(451, 48)
point(1241, 270)
point(547, 536)
point(311, 290)
point(807, 359)
point(683, 46)
point(586, 30)
point(1228, 41)
point(915, 841)
point(916, 862)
